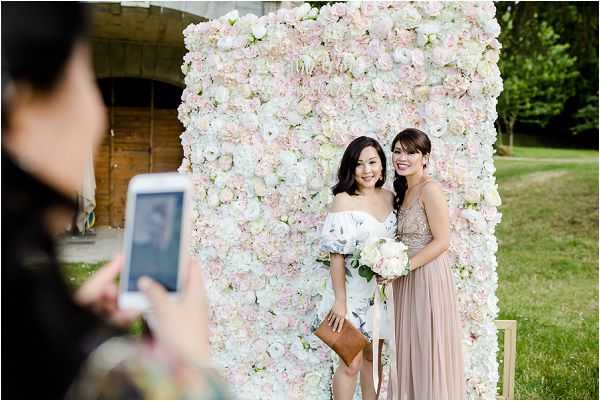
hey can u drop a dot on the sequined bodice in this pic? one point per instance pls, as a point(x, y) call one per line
point(413, 227)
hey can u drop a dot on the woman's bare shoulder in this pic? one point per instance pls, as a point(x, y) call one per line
point(342, 202)
point(432, 190)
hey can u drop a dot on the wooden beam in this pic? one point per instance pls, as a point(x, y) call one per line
point(509, 358)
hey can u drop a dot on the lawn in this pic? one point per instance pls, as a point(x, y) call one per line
point(552, 153)
point(547, 268)
point(548, 273)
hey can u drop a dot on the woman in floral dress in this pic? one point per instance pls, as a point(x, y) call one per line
point(361, 209)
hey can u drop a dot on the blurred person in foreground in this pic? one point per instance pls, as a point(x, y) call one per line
point(56, 343)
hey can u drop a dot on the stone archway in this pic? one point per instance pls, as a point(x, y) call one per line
point(139, 42)
point(137, 51)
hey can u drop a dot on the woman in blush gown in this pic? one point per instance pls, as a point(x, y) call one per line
point(428, 331)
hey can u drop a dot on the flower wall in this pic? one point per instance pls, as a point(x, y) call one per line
point(270, 104)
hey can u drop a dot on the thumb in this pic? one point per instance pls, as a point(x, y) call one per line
point(194, 286)
point(156, 294)
point(112, 269)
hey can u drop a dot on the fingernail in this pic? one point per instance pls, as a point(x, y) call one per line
point(144, 283)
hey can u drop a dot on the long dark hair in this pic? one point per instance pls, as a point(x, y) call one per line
point(412, 141)
point(346, 182)
point(37, 41)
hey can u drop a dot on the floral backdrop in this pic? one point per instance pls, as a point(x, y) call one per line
point(270, 104)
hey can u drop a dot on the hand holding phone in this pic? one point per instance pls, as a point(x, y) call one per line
point(181, 324)
point(156, 235)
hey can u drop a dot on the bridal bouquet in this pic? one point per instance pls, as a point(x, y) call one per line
point(383, 256)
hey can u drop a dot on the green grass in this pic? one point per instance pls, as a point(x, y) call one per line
point(548, 273)
point(547, 268)
point(77, 273)
point(551, 153)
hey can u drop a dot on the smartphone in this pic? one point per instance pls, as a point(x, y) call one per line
point(156, 237)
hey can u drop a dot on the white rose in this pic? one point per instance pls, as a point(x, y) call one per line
point(390, 249)
point(381, 27)
point(239, 261)
point(348, 61)
point(221, 94)
point(226, 162)
point(442, 55)
point(249, 121)
point(316, 182)
point(370, 254)
point(303, 10)
point(226, 43)
point(472, 195)
point(327, 151)
point(232, 17)
point(280, 229)
point(407, 17)
point(271, 180)
point(457, 126)
point(244, 161)
point(270, 130)
point(260, 189)
point(200, 122)
point(306, 64)
point(213, 197)
point(312, 380)
point(287, 158)
point(245, 90)
point(422, 92)
point(491, 195)
point(304, 107)
point(402, 55)
point(298, 350)
point(259, 31)
point(252, 210)
point(226, 195)
point(360, 67)
point(229, 230)
point(276, 350)
point(257, 226)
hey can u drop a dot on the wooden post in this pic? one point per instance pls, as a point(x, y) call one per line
point(151, 150)
point(110, 153)
point(510, 358)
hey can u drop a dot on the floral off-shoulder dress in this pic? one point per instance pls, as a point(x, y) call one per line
point(342, 233)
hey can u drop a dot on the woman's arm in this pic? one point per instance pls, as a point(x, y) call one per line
point(436, 209)
point(336, 316)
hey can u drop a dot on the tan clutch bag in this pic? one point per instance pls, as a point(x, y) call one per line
point(347, 343)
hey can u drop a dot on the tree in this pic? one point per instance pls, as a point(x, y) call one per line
point(537, 70)
point(587, 116)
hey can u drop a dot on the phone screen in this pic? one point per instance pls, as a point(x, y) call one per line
point(156, 239)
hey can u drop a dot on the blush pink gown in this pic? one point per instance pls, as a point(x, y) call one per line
point(428, 330)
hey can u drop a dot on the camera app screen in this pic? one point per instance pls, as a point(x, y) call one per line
point(156, 239)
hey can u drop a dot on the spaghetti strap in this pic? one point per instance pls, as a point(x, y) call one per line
point(418, 194)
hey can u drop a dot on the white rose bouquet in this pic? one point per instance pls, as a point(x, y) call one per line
point(383, 256)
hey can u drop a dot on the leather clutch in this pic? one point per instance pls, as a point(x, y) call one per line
point(347, 343)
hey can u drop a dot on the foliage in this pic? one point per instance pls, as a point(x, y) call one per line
point(576, 24)
point(537, 71)
point(587, 116)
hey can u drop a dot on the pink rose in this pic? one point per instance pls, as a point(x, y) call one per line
point(384, 62)
point(368, 8)
point(338, 10)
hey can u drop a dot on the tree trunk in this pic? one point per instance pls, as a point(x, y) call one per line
point(499, 131)
point(510, 129)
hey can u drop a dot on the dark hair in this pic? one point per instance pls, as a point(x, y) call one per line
point(346, 182)
point(412, 141)
point(37, 40)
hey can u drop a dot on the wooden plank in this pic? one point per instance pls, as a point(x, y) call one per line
point(510, 356)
